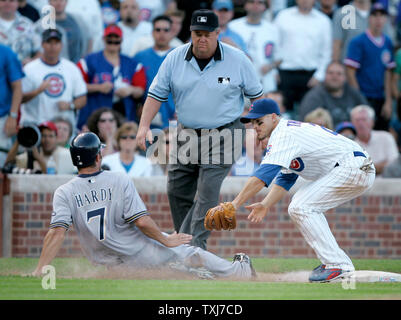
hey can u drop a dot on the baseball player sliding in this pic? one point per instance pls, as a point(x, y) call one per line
point(115, 229)
point(338, 171)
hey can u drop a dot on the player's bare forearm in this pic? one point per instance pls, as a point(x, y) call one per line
point(275, 195)
point(51, 245)
point(151, 230)
point(251, 188)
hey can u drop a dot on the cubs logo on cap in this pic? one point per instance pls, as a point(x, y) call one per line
point(205, 20)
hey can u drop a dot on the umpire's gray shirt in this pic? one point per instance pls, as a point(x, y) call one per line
point(209, 98)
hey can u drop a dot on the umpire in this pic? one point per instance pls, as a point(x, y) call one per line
point(208, 80)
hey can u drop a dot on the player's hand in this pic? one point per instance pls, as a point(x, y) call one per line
point(258, 212)
point(106, 87)
point(176, 239)
point(143, 135)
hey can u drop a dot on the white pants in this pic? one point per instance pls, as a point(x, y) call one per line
point(343, 183)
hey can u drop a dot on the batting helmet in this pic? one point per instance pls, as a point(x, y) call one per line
point(84, 149)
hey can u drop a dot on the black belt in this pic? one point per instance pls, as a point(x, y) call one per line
point(356, 154)
point(199, 131)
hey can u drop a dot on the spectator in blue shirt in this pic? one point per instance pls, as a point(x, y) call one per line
point(151, 59)
point(369, 62)
point(224, 9)
point(10, 98)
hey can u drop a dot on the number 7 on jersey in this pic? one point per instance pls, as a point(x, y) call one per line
point(93, 214)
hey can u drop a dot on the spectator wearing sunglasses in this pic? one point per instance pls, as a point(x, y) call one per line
point(151, 59)
point(113, 79)
point(127, 159)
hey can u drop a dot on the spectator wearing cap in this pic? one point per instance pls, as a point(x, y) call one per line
point(370, 62)
point(131, 25)
point(113, 79)
point(37, 158)
point(380, 144)
point(208, 80)
point(53, 86)
point(347, 129)
point(262, 40)
point(345, 29)
point(10, 98)
point(305, 50)
point(224, 9)
point(334, 94)
point(17, 32)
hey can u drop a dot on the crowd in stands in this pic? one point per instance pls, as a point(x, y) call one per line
point(69, 66)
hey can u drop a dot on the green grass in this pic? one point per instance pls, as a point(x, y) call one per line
point(14, 286)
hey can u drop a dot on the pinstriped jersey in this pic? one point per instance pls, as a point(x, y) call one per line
point(101, 207)
point(307, 149)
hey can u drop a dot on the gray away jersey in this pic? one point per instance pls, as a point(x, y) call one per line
point(102, 208)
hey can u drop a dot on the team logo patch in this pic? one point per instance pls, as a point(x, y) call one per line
point(268, 149)
point(268, 49)
point(57, 85)
point(297, 164)
point(386, 56)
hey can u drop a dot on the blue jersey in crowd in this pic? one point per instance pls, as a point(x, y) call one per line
point(96, 69)
point(151, 62)
point(371, 57)
point(10, 71)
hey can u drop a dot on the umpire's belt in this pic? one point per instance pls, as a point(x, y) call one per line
point(199, 131)
point(356, 154)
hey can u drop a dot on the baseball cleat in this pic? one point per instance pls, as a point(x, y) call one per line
point(321, 274)
point(242, 257)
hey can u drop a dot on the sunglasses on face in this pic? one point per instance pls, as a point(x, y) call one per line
point(162, 29)
point(108, 120)
point(132, 137)
point(115, 42)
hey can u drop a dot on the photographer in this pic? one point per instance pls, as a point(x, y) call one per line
point(39, 158)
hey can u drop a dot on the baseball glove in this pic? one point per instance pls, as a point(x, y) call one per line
point(221, 217)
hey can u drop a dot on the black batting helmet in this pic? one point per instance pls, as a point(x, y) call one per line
point(84, 149)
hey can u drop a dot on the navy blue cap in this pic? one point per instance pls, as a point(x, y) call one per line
point(378, 7)
point(345, 125)
point(261, 108)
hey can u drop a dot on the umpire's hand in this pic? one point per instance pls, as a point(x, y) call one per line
point(144, 134)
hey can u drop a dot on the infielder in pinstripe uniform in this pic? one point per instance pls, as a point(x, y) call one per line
point(115, 229)
point(338, 168)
